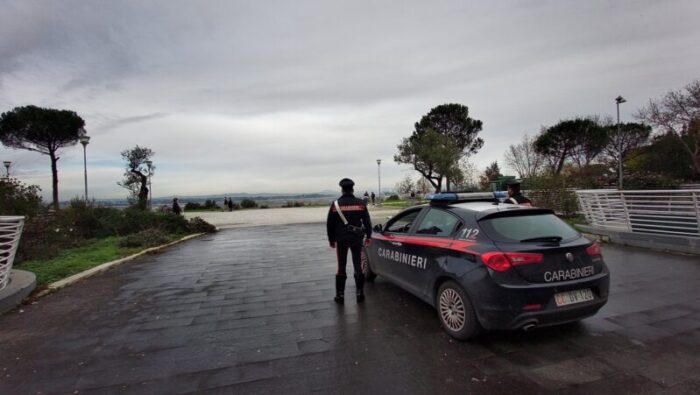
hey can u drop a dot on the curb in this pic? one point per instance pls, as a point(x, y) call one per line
point(55, 286)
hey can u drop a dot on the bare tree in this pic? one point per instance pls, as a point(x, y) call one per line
point(423, 186)
point(678, 113)
point(625, 140)
point(138, 170)
point(405, 186)
point(524, 159)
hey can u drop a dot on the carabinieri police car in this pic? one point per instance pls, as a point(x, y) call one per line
point(485, 265)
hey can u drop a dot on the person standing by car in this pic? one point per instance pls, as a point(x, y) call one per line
point(347, 225)
point(515, 196)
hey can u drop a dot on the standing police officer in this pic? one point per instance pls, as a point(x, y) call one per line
point(514, 194)
point(346, 230)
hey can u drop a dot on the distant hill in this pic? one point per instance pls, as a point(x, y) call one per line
point(273, 199)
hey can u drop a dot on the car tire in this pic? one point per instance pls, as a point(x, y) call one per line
point(366, 269)
point(455, 312)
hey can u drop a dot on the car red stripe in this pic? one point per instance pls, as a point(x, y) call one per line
point(448, 244)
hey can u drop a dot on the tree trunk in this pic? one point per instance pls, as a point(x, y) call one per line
point(54, 179)
point(447, 183)
point(438, 185)
point(143, 192)
point(560, 165)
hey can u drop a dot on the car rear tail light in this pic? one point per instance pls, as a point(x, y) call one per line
point(532, 306)
point(502, 261)
point(594, 249)
point(496, 261)
point(524, 258)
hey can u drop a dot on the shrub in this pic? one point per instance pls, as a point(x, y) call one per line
point(248, 203)
point(393, 198)
point(144, 238)
point(192, 206)
point(211, 205)
point(198, 225)
point(551, 192)
point(645, 180)
point(293, 203)
point(45, 235)
point(89, 221)
point(18, 198)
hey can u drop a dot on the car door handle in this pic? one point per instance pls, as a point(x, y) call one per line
point(397, 243)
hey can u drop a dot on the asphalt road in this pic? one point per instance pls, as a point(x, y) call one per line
point(249, 310)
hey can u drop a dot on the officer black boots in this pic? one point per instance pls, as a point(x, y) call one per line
point(340, 288)
point(359, 286)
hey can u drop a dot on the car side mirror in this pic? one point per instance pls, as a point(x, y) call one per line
point(378, 227)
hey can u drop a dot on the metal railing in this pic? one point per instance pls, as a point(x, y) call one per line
point(10, 231)
point(667, 212)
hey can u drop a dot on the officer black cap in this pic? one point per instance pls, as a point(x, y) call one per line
point(346, 183)
point(513, 183)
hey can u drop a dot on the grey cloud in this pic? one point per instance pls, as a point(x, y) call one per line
point(292, 94)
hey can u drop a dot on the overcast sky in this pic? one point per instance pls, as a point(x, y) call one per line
point(268, 96)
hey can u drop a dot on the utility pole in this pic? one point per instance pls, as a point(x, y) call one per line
point(379, 179)
point(619, 100)
point(85, 140)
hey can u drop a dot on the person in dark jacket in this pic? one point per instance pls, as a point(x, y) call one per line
point(176, 207)
point(344, 237)
point(515, 196)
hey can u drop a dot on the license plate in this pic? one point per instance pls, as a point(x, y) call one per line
point(573, 297)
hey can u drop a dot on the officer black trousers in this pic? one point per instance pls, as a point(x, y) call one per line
point(342, 251)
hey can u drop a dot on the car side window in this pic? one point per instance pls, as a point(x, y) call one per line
point(437, 223)
point(403, 223)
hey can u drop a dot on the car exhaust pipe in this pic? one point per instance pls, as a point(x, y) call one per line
point(530, 326)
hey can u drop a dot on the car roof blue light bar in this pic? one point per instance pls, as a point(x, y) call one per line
point(466, 196)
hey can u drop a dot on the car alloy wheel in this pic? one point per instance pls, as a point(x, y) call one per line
point(452, 310)
point(455, 311)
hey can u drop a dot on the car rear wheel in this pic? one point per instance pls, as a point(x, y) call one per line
point(455, 312)
point(366, 269)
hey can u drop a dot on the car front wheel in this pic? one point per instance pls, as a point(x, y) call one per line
point(456, 312)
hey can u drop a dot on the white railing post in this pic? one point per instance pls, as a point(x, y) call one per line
point(626, 211)
point(10, 232)
point(664, 212)
point(696, 205)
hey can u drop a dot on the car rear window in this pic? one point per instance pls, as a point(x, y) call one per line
point(523, 227)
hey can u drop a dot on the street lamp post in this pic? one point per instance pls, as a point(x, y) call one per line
point(619, 100)
point(7, 164)
point(379, 179)
point(85, 140)
point(149, 163)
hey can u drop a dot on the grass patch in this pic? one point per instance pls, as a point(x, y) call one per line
point(402, 203)
point(75, 260)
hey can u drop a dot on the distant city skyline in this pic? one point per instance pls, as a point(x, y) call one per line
point(291, 97)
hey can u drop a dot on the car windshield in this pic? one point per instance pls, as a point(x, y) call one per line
point(528, 228)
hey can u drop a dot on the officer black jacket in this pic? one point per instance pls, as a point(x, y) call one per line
point(355, 211)
point(519, 198)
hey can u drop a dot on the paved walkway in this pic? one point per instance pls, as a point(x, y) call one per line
point(278, 216)
point(250, 311)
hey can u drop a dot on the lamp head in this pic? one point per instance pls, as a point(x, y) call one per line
point(620, 100)
point(84, 139)
point(7, 163)
point(379, 161)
